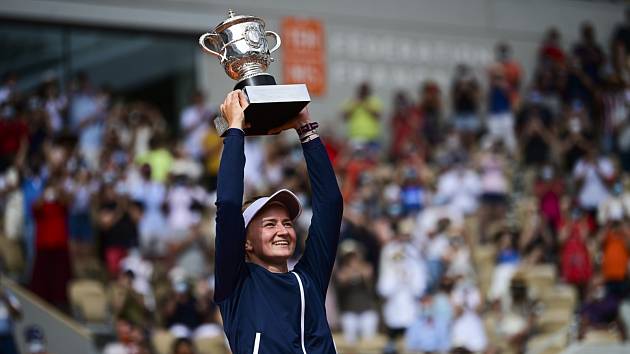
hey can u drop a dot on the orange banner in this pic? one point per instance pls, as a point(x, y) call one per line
point(303, 53)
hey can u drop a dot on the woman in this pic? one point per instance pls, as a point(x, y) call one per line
point(266, 308)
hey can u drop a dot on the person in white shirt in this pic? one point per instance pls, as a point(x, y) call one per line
point(468, 329)
point(402, 280)
point(194, 121)
point(593, 173)
point(460, 186)
point(153, 228)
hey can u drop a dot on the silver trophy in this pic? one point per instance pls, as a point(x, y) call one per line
point(240, 43)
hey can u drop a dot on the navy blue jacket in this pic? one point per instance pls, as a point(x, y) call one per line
point(275, 313)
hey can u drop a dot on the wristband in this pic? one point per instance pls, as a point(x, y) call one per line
point(306, 128)
point(309, 137)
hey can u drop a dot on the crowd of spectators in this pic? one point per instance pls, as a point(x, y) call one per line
point(535, 166)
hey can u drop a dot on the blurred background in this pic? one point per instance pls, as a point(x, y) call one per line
point(482, 148)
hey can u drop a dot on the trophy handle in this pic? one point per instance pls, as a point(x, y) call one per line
point(278, 41)
point(202, 43)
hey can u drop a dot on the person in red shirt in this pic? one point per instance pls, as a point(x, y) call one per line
point(551, 49)
point(52, 271)
point(511, 70)
point(13, 136)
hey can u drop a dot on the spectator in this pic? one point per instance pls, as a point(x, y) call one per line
point(500, 121)
point(551, 52)
point(185, 243)
point(401, 281)
point(212, 149)
point(465, 91)
point(507, 262)
point(354, 282)
point(600, 310)
point(620, 46)
point(35, 340)
point(194, 124)
point(81, 188)
point(118, 231)
point(130, 339)
point(430, 110)
point(14, 208)
point(576, 264)
point(182, 312)
point(159, 158)
point(88, 110)
point(127, 302)
point(14, 134)
point(613, 209)
point(615, 238)
point(183, 346)
point(51, 245)
point(430, 332)
point(363, 114)
point(512, 71)
point(436, 250)
point(10, 311)
point(55, 104)
point(467, 328)
point(593, 174)
point(623, 144)
point(152, 228)
point(589, 54)
point(413, 195)
point(33, 179)
point(406, 123)
point(460, 186)
point(537, 142)
point(8, 90)
point(549, 190)
point(520, 316)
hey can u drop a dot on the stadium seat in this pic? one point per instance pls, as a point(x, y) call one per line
point(540, 278)
point(162, 341)
point(553, 320)
point(372, 345)
point(214, 345)
point(560, 297)
point(88, 300)
point(601, 336)
point(548, 343)
point(11, 257)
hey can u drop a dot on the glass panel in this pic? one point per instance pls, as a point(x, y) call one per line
point(156, 68)
point(32, 52)
point(137, 66)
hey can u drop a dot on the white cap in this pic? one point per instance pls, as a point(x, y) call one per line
point(283, 196)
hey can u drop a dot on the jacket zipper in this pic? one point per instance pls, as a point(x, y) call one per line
point(256, 343)
point(302, 312)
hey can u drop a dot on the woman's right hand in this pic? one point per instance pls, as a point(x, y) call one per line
point(233, 109)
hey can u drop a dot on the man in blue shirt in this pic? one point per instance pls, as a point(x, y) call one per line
point(266, 308)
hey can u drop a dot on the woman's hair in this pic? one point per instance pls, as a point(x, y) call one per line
point(249, 202)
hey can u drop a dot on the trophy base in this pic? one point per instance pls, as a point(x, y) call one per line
point(257, 80)
point(270, 106)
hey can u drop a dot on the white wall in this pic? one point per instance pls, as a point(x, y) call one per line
point(440, 31)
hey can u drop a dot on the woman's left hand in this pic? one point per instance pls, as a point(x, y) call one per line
point(301, 119)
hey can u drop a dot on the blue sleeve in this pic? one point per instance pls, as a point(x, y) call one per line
point(230, 228)
point(323, 235)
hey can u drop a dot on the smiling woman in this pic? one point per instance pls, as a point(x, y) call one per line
point(265, 307)
point(270, 236)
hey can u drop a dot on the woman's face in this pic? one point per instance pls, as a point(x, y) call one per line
point(271, 237)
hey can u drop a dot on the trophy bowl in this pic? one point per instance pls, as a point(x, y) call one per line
point(240, 43)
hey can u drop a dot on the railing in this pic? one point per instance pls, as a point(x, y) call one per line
point(63, 334)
